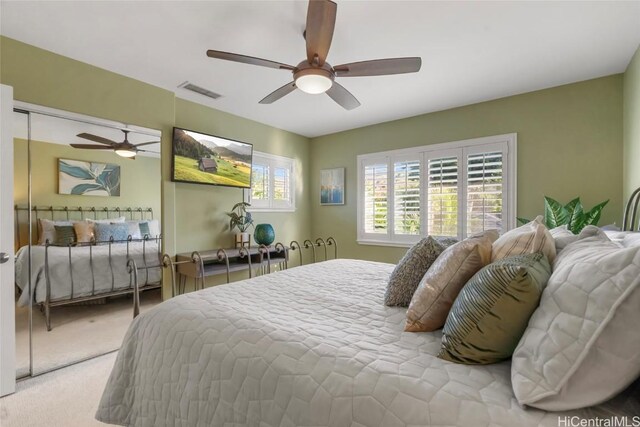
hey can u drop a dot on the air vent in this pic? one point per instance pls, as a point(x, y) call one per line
point(200, 90)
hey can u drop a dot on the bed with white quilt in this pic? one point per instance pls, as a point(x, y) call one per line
point(308, 346)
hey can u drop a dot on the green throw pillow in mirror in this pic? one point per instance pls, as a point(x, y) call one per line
point(493, 309)
point(65, 235)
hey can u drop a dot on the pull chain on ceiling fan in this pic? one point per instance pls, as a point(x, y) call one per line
point(314, 75)
point(124, 148)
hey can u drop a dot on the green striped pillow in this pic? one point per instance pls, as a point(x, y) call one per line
point(65, 235)
point(493, 309)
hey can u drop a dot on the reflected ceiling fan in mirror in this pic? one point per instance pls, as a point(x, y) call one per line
point(315, 75)
point(124, 148)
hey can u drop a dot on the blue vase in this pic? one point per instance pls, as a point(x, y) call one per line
point(264, 234)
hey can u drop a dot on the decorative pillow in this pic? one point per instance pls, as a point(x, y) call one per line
point(582, 344)
point(47, 230)
point(144, 229)
point(528, 239)
point(84, 230)
point(154, 228)
point(492, 311)
point(405, 278)
point(65, 235)
point(104, 232)
point(134, 229)
point(445, 278)
point(563, 237)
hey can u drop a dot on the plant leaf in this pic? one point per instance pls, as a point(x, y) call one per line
point(575, 220)
point(523, 221)
point(554, 213)
point(83, 188)
point(593, 216)
point(75, 171)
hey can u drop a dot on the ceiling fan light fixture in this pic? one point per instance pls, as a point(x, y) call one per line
point(123, 152)
point(314, 83)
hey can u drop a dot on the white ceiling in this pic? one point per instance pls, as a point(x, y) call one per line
point(471, 51)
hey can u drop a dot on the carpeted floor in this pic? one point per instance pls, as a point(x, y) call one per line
point(67, 397)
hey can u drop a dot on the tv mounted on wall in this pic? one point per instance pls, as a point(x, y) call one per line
point(207, 159)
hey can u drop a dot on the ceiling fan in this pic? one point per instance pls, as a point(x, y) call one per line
point(314, 75)
point(124, 148)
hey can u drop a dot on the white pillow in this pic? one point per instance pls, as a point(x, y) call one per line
point(582, 346)
point(564, 237)
point(106, 220)
point(527, 239)
point(48, 230)
point(154, 228)
point(134, 229)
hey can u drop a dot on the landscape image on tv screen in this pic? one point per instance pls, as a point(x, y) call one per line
point(207, 159)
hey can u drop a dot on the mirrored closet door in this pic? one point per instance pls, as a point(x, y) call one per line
point(87, 200)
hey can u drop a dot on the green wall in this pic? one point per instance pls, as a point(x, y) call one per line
point(190, 213)
point(203, 207)
point(569, 144)
point(631, 123)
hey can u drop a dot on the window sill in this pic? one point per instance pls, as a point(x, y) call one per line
point(370, 242)
point(275, 210)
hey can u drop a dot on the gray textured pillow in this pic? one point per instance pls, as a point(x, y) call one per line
point(407, 275)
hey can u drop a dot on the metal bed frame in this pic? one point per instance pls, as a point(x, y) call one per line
point(630, 220)
point(67, 213)
point(196, 258)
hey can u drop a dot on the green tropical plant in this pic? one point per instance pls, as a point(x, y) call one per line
point(572, 214)
point(239, 217)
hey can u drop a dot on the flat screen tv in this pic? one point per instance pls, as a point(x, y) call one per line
point(207, 159)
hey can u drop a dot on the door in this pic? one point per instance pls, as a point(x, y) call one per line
point(7, 308)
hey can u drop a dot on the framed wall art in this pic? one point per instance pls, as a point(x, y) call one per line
point(332, 186)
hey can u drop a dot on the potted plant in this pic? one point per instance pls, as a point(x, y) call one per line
point(241, 219)
point(573, 214)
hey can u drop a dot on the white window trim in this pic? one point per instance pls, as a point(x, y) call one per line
point(275, 161)
point(508, 142)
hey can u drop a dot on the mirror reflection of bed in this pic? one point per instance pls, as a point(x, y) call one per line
point(91, 210)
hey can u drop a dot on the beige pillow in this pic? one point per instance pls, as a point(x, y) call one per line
point(445, 278)
point(528, 239)
point(85, 231)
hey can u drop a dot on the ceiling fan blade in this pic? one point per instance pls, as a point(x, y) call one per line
point(227, 56)
point(278, 93)
point(321, 21)
point(379, 67)
point(91, 147)
point(96, 138)
point(343, 97)
point(146, 143)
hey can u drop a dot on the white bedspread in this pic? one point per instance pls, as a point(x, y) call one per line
point(310, 346)
point(104, 275)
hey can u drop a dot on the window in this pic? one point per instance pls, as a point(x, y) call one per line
point(454, 189)
point(272, 186)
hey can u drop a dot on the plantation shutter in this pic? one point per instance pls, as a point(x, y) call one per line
point(260, 185)
point(375, 184)
point(406, 197)
point(443, 189)
point(281, 185)
point(485, 191)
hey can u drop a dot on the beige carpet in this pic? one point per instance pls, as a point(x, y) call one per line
point(67, 397)
point(79, 332)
